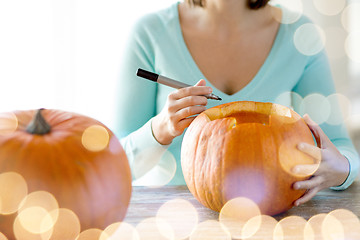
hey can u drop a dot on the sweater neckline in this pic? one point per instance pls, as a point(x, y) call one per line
point(196, 72)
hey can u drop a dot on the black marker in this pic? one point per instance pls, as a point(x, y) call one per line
point(168, 81)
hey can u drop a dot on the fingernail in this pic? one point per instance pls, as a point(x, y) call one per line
point(296, 186)
point(209, 89)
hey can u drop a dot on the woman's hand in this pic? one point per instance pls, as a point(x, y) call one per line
point(333, 169)
point(179, 111)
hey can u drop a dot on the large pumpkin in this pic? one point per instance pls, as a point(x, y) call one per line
point(49, 150)
point(245, 149)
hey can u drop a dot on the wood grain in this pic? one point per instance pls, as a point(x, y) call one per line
point(146, 201)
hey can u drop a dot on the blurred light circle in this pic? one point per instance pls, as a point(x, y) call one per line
point(120, 231)
point(352, 47)
point(35, 220)
point(335, 39)
point(210, 230)
point(340, 109)
point(291, 227)
point(235, 214)
point(291, 10)
point(21, 232)
point(95, 138)
point(347, 225)
point(155, 228)
point(160, 174)
point(309, 39)
point(259, 227)
point(13, 189)
point(289, 157)
point(181, 215)
point(45, 201)
point(314, 226)
point(90, 234)
point(40, 199)
point(329, 7)
point(67, 225)
point(350, 17)
point(331, 228)
point(316, 106)
point(8, 123)
point(3, 237)
point(288, 99)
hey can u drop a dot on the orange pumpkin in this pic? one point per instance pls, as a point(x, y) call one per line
point(245, 149)
point(48, 149)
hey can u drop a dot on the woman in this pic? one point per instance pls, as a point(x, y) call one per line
point(244, 54)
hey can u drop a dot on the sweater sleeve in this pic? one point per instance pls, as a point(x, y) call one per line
point(136, 104)
point(317, 81)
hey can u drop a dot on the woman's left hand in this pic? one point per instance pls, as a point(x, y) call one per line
point(332, 171)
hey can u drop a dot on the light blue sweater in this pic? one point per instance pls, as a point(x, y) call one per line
point(156, 44)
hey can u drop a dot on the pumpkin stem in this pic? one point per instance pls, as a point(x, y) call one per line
point(38, 125)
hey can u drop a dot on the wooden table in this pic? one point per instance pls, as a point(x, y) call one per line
point(146, 201)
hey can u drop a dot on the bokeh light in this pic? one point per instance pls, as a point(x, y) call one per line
point(8, 123)
point(350, 17)
point(316, 106)
point(259, 228)
point(181, 215)
point(331, 228)
point(67, 225)
point(288, 99)
point(314, 226)
point(155, 228)
point(95, 138)
point(340, 109)
point(120, 231)
point(347, 225)
point(352, 47)
point(40, 201)
point(158, 175)
point(21, 231)
point(309, 39)
point(35, 220)
point(3, 237)
point(293, 12)
point(292, 227)
point(290, 157)
point(235, 214)
point(90, 234)
point(210, 230)
point(13, 189)
point(329, 7)
point(335, 38)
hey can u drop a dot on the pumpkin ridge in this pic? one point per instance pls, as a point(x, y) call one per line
point(193, 163)
point(220, 201)
point(198, 181)
point(201, 184)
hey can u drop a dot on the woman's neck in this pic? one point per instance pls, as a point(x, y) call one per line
point(226, 15)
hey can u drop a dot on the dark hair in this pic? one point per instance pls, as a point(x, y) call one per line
point(252, 4)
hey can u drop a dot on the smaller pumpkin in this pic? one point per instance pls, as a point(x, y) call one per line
point(59, 152)
point(245, 149)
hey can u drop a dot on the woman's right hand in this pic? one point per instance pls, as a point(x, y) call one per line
point(179, 111)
